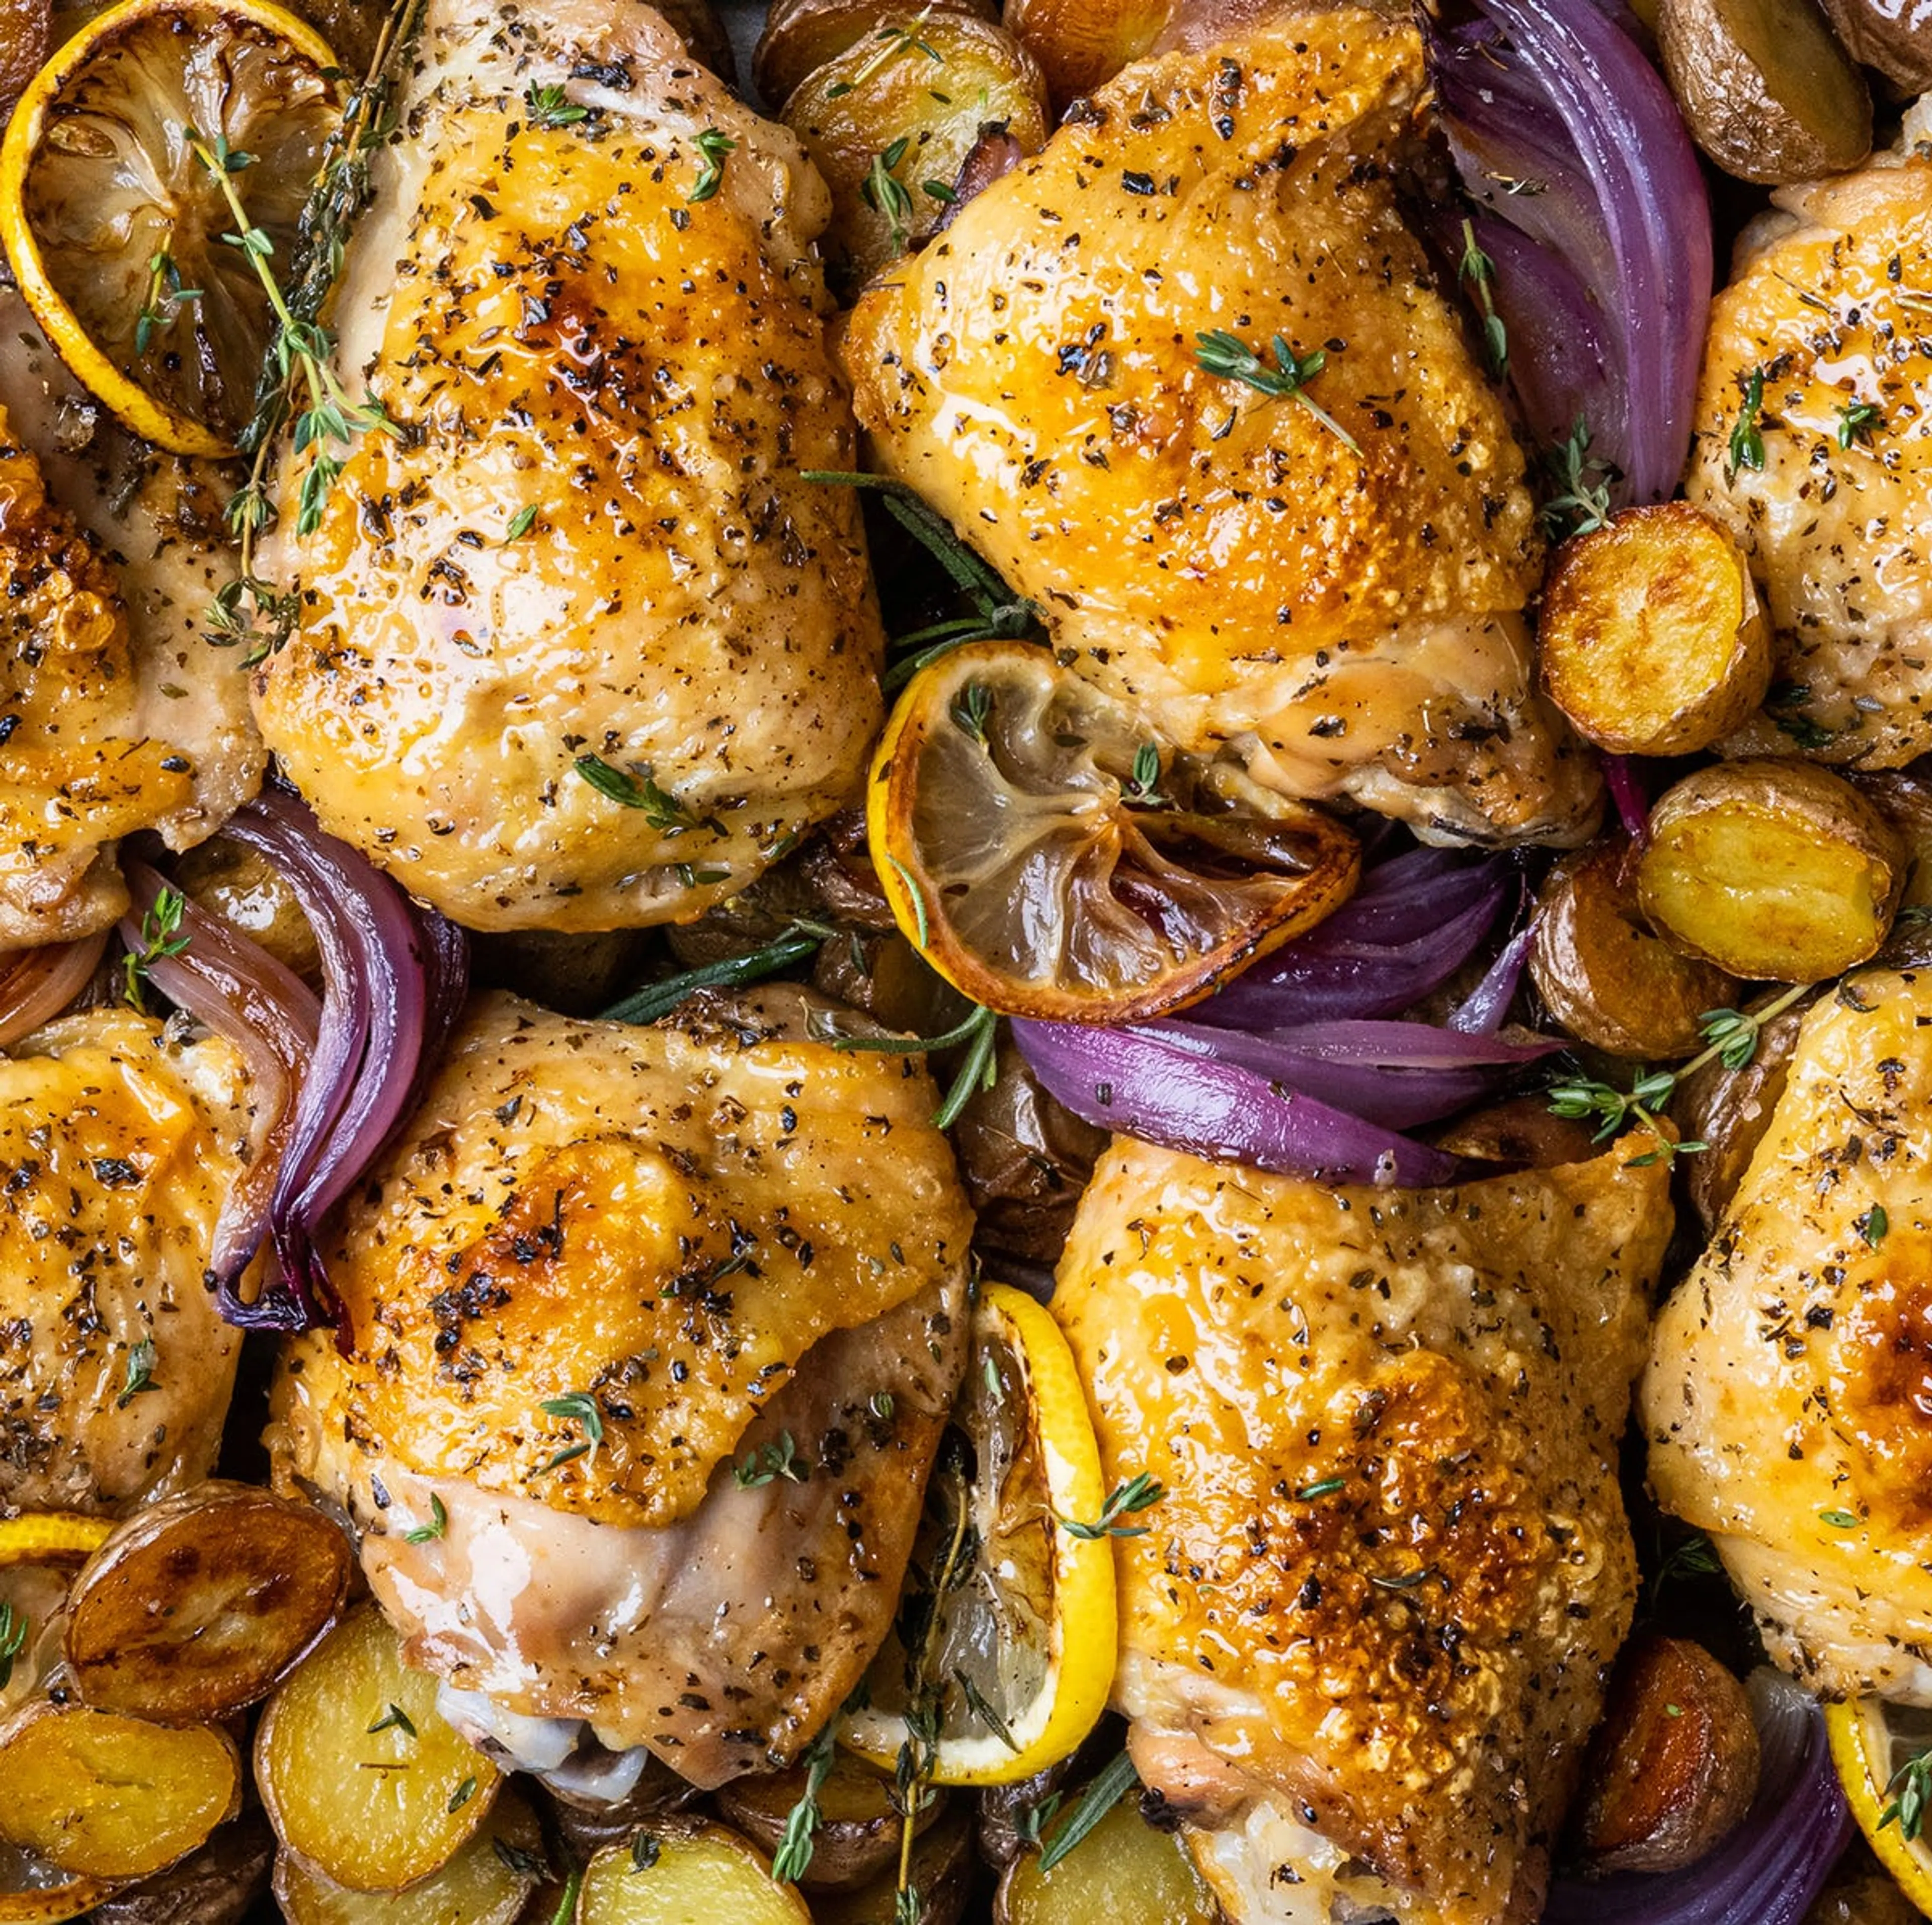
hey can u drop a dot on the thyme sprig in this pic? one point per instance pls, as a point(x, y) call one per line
point(1581, 504)
point(1480, 272)
point(792, 1859)
point(1730, 1037)
point(1909, 1790)
point(1746, 442)
point(885, 194)
point(1218, 352)
point(162, 935)
point(1140, 1492)
point(12, 1640)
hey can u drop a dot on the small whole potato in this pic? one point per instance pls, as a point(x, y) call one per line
point(1767, 91)
point(1775, 870)
point(1082, 44)
point(1604, 975)
point(1673, 1768)
point(1653, 639)
point(1895, 36)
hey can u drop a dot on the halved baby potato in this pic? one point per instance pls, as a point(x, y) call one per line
point(941, 1871)
point(107, 1796)
point(858, 1832)
point(800, 36)
point(1653, 639)
point(1123, 1871)
point(890, 124)
point(361, 1776)
point(683, 1875)
point(488, 1881)
point(1082, 44)
point(196, 1605)
point(1776, 870)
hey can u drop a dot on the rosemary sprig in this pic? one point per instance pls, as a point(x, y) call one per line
point(162, 935)
point(1581, 504)
point(1730, 1037)
point(1100, 1798)
point(978, 1035)
point(660, 999)
point(1228, 356)
point(660, 808)
point(1747, 443)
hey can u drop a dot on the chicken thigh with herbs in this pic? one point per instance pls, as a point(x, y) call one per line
point(649, 1336)
point(118, 1145)
point(1788, 1401)
point(578, 646)
point(1322, 561)
point(1814, 449)
point(1364, 1636)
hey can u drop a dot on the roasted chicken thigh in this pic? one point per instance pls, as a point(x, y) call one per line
point(578, 646)
point(1788, 1400)
point(117, 1147)
point(667, 1320)
point(1330, 581)
point(1364, 1636)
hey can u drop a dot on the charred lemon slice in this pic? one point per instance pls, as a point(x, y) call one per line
point(1053, 859)
point(1884, 1756)
point(1003, 1653)
point(51, 1537)
point(115, 222)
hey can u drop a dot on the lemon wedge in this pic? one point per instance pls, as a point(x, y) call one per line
point(1879, 1749)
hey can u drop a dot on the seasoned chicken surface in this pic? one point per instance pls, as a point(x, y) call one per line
point(604, 1267)
point(1832, 307)
point(117, 713)
point(599, 333)
point(1365, 1634)
point(117, 1147)
point(1788, 1401)
point(1340, 600)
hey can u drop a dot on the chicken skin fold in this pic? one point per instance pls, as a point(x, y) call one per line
point(604, 1270)
point(1365, 1636)
point(579, 646)
point(1330, 580)
point(1788, 1401)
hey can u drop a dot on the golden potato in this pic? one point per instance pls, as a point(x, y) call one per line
point(488, 1882)
point(361, 1776)
point(1652, 638)
point(107, 1796)
point(1601, 972)
point(1776, 870)
point(195, 1607)
point(1767, 92)
point(1519, 1132)
point(858, 1834)
point(799, 35)
point(1673, 1767)
point(1123, 1873)
point(1082, 44)
point(890, 125)
point(684, 1873)
point(222, 1884)
point(246, 890)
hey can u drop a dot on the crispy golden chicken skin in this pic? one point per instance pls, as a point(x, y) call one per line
point(600, 333)
point(603, 1269)
point(1788, 1401)
point(118, 1148)
point(1364, 1637)
point(1342, 603)
point(1832, 310)
point(77, 768)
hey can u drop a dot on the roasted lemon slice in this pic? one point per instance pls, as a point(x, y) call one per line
point(1884, 1756)
point(115, 222)
point(1052, 859)
point(1004, 1651)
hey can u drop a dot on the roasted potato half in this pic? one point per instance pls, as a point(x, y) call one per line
point(1895, 36)
point(1653, 639)
point(1775, 870)
point(1766, 88)
point(220, 1884)
point(1520, 1133)
point(195, 1606)
point(1082, 44)
point(1603, 975)
point(890, 127)
point(941, 1872)
point(1673, 1767)
point(108, 1797)
point(361, 1777)
point(488, 1881)
point(800, 36)
point(1123, 1873)
point(684, 1873)
point(858, 1834)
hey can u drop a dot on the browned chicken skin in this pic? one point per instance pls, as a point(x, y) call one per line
point(1365, 1634)
point(602, 340)
point(717, 1239)
point(1341, 603)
